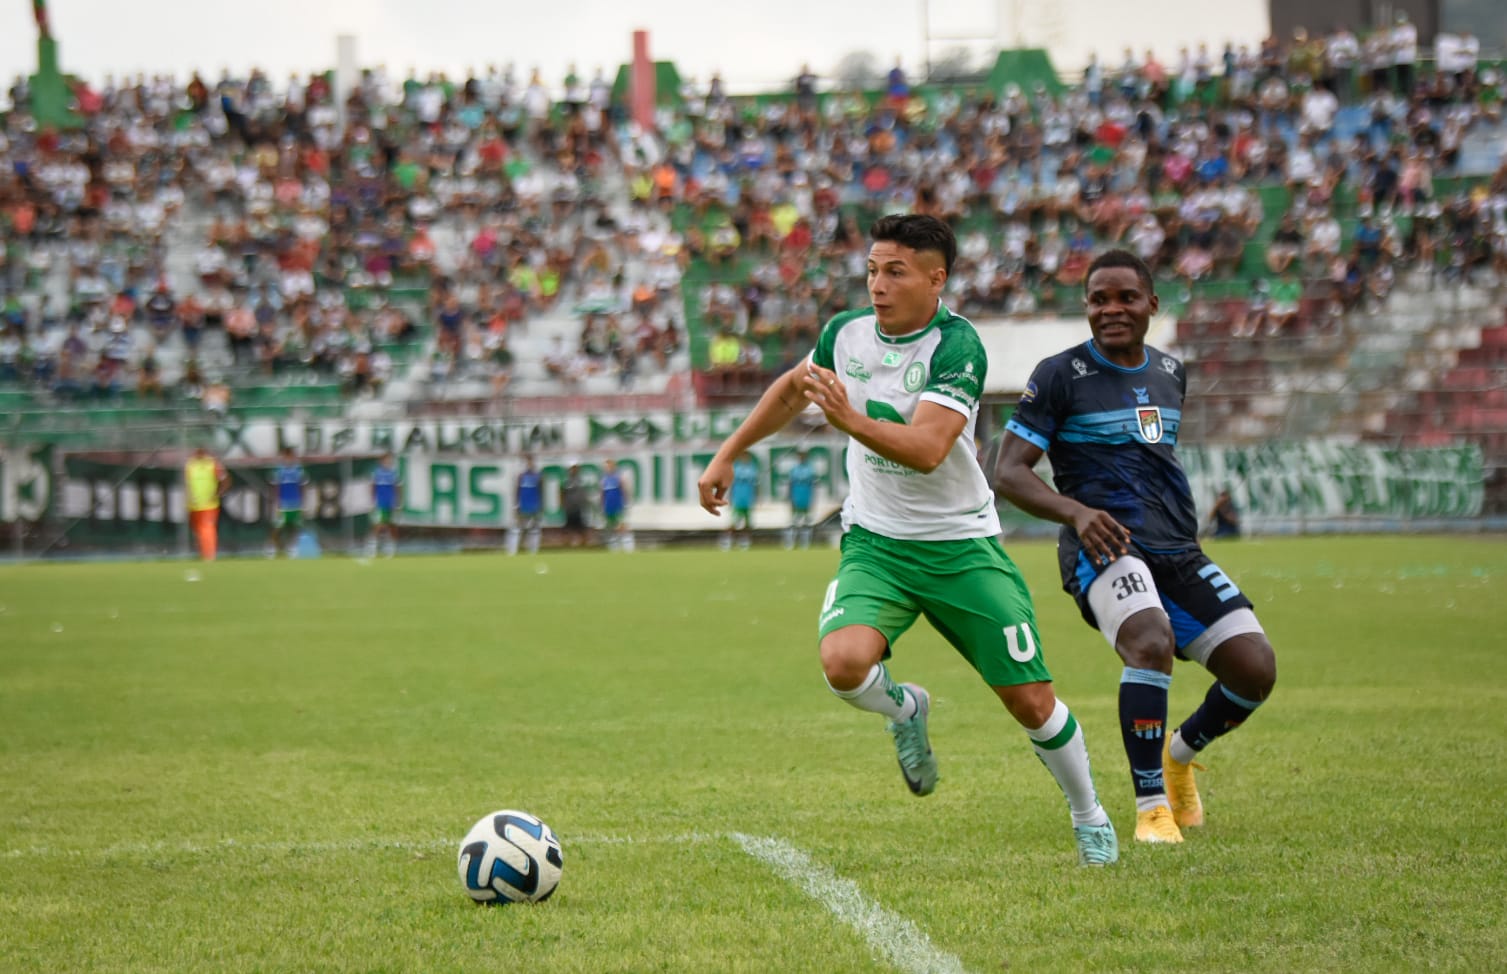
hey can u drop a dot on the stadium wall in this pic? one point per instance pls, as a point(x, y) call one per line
point(459, 478)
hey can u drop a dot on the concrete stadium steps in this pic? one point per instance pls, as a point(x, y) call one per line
point(530, 343)
point(1429, 360)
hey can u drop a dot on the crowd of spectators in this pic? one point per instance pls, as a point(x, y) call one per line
point(502, 200)
point(284, 222)
point(1170, 161)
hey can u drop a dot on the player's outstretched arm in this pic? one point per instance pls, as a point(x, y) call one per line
point(1014, 478)
point(781, 403)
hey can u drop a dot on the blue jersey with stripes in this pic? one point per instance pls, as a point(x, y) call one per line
point(385, 488)
point(1110, 433)
point(290, 480)
point(530, 492)
point(613, 498)
point(802, 484)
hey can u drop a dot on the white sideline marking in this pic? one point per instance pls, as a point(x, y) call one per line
point(190, 849)
point(899, 940)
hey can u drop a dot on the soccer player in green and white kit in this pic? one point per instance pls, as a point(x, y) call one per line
point(902, 378)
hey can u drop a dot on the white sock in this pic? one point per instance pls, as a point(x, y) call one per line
point(1181, 752)
point(1059, 744)
point(513, 541)
point(880, 694)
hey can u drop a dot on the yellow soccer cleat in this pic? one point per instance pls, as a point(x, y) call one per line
point(1182, 789)
point(1157, 825)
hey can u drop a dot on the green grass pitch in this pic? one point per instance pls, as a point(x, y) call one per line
point(270, 768)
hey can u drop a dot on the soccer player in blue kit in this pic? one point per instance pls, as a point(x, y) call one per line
point(741, 501)
point(802, 479)
point(289, 481)
point(386, 482)
point(1106, 413)
point(528, 508)
point(615, 509)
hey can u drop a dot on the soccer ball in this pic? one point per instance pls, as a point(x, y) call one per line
point(510, 857)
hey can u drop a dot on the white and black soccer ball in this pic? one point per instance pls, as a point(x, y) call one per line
point(510, 857)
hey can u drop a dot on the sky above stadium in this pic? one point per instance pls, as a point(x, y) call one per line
point(755, 46)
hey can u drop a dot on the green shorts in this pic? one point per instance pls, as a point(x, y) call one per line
point(742, 517)
point(970, 591)
point(290, 519)
point(381, 515)
point(611, 521)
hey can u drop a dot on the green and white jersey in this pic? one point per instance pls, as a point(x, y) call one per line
point(888, 377)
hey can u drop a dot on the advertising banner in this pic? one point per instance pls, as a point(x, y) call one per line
point(25, 483)
point(109, 498)
point(1320, 480)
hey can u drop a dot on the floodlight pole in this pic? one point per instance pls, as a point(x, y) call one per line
point(925, 40)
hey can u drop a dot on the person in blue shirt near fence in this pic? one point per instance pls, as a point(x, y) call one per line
point(386, 481)
point(740, 500)
point(528, 508)
point(615, 509)
point(802, 485)
point(289, 482)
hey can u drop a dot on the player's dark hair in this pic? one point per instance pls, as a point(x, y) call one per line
point(1121, 258)
point(918, 232)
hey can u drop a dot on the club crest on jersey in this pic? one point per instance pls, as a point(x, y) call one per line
point(1150, 418)
point(915, 377)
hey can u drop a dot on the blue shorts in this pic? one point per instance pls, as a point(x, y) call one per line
point(1194, 592)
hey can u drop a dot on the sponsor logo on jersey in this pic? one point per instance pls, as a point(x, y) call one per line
point(962, 386)
point(1079, 367)
point(915, 377)
point(857, 371)
point(884, 465)
point(1141, 398)
point(1150, 418)
point(1169, 366)
point(964, 396)
point(892, 359)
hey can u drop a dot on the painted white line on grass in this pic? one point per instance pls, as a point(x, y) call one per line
point(896, 938)
point(128, 850)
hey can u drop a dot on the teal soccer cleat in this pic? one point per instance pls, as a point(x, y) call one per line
point(917, 763)
point(1097, 844)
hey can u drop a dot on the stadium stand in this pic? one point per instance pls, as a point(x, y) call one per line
point(238, 248)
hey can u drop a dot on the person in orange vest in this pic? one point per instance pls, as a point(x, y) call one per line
point(205, 479)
